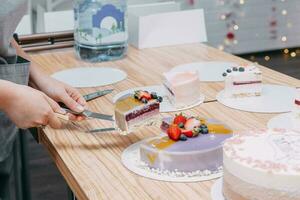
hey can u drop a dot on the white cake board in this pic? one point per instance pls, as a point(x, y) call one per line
point(82, 77)
point(216, 190)
point(274, 99)
point(208, 71)
point(131, 160)
point(282, 121)
point(165, 106)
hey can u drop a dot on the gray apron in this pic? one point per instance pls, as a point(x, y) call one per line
point(17, 73)
point(14, 69)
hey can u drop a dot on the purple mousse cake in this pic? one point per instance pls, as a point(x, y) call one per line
point(200, 152)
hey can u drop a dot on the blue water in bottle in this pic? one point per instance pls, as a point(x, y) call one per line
point(101, 31)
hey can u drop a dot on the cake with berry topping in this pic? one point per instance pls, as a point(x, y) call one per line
point(243, 81)
point(188, 145)
point(296, 113)
point(182, 88)
point(134, 110)
point(262, 166)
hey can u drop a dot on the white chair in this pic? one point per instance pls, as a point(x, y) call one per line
point(25, 26)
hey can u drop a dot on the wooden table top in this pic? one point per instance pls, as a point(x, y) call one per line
point(91, 163)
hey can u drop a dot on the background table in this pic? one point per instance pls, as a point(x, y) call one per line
point(91, 163)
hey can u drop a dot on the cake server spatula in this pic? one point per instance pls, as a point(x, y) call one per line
point(90, 114)
point(95, 95)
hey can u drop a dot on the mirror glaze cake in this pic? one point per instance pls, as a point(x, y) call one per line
point(200, 151)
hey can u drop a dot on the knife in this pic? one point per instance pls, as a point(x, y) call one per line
point(90, 114)
point(97, 94)
point(101, 130)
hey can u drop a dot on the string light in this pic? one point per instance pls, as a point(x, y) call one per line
point(284, 12)
point(293, 54)
point(234, 11)
point(283, 38)
point(267, 58)
point(286, 51)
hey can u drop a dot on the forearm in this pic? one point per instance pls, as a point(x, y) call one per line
point(34, 73)
point(6, 92)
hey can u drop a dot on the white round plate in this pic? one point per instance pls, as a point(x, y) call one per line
point(274, 99)
point(208, 71)
point(131, 160)
point(82, 77)
point(165, 106)
point(282, 121)
point(216, 190)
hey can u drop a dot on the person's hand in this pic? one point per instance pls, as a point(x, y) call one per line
point(28, 107)
point(64, 93)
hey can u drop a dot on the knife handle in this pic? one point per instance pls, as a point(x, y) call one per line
point(64, 117)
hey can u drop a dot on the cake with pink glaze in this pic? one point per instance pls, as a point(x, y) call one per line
point(198, 148)
point(182, 88)
point(262, 166)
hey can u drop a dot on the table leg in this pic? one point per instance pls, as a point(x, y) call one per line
point(71, 195)
point(25, 172)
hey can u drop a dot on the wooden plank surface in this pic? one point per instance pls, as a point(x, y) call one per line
point(91, 164)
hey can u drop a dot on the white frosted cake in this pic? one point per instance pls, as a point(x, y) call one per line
point(243, 81)
point(296, 113)
point(197, 146)
point(262, 166)
point(182, 88)
point(135, 110)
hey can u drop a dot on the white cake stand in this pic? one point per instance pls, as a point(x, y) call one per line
point(131, 160)
point(274, 99)
point(165, 106)
point(216, 190)
point(208, 71)
point(82, 77)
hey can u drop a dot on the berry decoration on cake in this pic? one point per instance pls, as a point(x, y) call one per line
point(183, 128)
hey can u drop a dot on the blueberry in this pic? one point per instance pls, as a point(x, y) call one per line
point(241, 69)
point(203, 126)
point(183, 137)
point(181, 125)
point(144, 100)
point(235, 69)
point(159, 99)
point(224, 74)
point(228, 71)
point(204, 131)
point(154, 95)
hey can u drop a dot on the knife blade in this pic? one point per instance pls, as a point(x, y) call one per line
point(90, 114)
point(97, 94)
point(101, 130)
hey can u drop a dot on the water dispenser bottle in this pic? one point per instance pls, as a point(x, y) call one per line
point(101, 31)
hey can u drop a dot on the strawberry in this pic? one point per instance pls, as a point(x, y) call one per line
point(145, 94)
point(187, 133)
point(191, 123)
point(179, 119)
point(174, 132)
point(139, 94)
